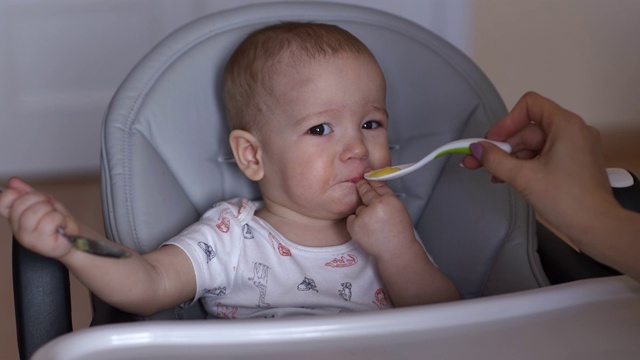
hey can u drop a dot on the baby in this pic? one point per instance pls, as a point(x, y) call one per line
point(306, 108)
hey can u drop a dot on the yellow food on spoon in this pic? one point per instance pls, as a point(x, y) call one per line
point(384, 171)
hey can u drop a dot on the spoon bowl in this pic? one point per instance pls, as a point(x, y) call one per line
point(458, 146)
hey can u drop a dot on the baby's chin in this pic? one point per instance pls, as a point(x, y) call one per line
point(348, 205)
point(345, 199)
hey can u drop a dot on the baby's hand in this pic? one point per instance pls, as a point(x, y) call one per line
point(381, 225)
point(35, 218)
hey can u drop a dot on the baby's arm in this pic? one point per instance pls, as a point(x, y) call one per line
point(383, 227)
point(141, 284)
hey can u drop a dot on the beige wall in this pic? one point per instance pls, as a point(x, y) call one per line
point(585, 54)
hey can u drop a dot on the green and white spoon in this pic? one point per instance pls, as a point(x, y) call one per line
point(458, 146)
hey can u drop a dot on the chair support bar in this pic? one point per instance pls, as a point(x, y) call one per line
point(42, 299)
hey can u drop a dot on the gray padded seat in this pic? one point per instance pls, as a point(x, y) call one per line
point(166, 159)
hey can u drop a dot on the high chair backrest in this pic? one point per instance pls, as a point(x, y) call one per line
point(166, 158)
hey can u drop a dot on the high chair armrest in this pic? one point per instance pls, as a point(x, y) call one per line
point(628, 194)
point(42, 299)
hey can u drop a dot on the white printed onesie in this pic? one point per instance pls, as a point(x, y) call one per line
point(246, 269)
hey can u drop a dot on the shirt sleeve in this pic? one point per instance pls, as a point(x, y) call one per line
point(213, 244)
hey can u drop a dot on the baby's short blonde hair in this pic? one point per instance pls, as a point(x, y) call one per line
point(265, 53)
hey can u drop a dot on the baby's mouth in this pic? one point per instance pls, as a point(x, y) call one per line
point(356, 179)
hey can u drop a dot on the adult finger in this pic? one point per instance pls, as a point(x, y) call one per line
point(497, 162)
point(515, 121)
point(526, 144)
point(532, 108)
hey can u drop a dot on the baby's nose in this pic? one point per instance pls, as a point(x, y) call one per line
point(355, 149)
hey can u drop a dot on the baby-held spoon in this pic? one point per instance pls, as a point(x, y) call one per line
point(95, 247)
point(458, 146)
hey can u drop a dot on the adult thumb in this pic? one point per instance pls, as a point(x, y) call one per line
point(496, 161)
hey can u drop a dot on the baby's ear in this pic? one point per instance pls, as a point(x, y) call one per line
point(248, 154)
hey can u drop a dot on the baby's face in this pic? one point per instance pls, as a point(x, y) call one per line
point(327, 128)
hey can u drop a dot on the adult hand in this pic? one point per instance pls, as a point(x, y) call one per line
point(557, 162)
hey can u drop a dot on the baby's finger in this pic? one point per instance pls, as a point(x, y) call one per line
point(44, 238)
point(19, 185)
point(58, 206)
point(7, 197)
point(23, 202)
point(381, 187)
point(359, 210)
point(15, 189)
point(350, 221)
point(30, 217)
point(366, 191)
point(49, 223)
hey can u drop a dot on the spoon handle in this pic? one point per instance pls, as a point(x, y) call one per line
point(95, 247)
point(456, 146)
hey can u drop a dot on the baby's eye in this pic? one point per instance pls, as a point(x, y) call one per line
point(371, 124)
point(319, 130)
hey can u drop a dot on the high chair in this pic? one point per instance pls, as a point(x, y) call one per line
point(166, 159)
